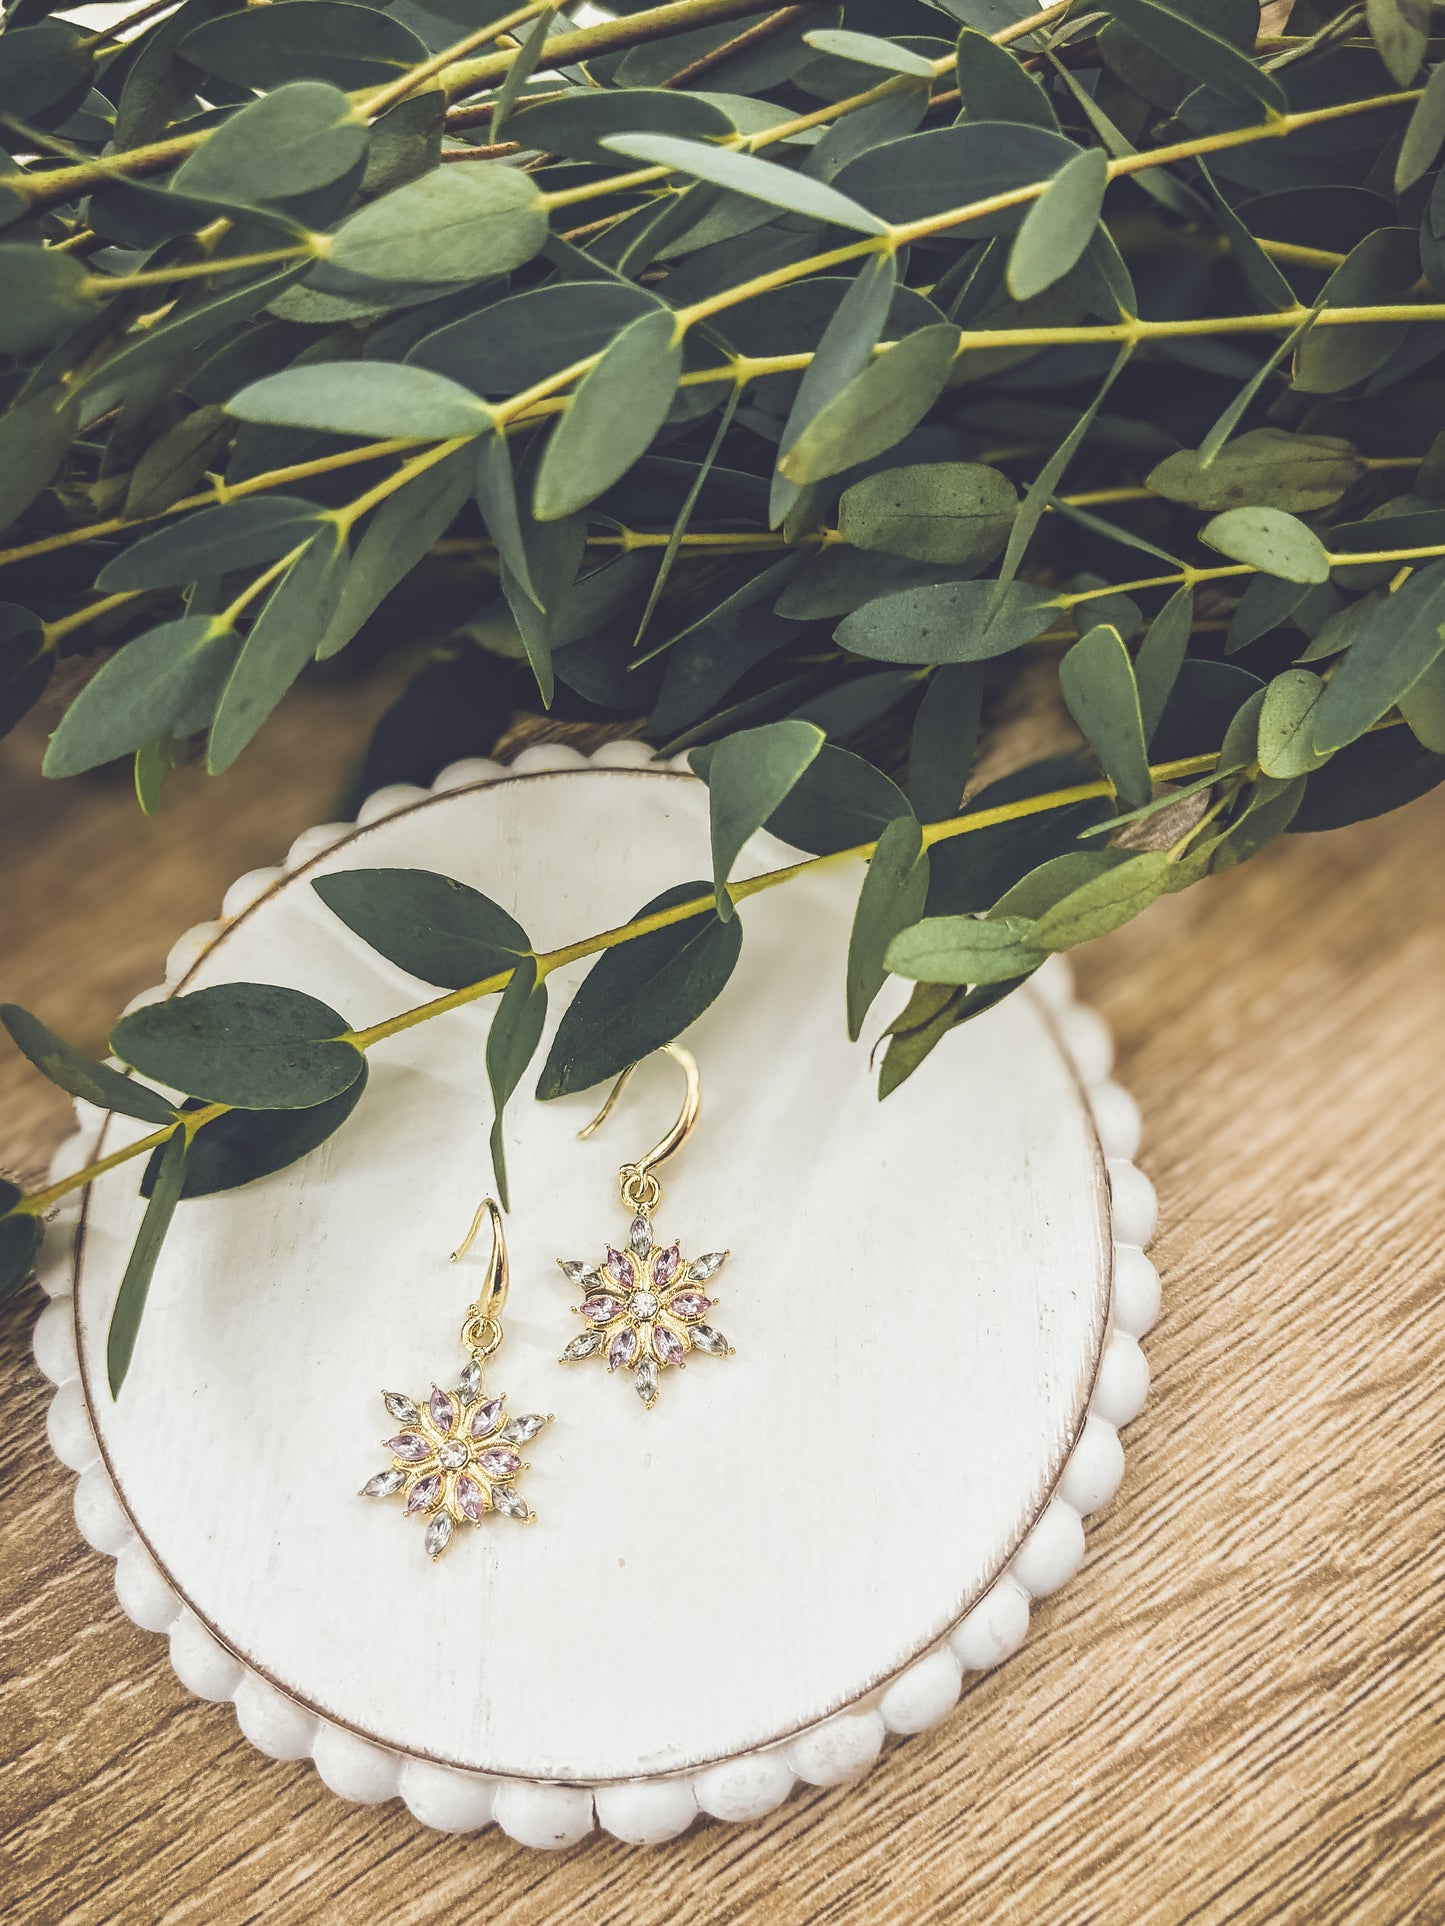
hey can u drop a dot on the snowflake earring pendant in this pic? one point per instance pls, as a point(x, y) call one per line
point(642, 1305)
point(455, 1456)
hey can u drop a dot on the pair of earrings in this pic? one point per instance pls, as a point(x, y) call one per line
point(456, 1457)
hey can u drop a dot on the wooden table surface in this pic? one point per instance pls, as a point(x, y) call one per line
point(1235, 1713)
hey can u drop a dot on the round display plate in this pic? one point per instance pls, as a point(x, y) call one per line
point(919, 1295)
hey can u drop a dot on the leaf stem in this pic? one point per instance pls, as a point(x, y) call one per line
point(107, 284)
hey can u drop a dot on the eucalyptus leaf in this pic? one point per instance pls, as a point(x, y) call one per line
point(455, 224)
point(1097, 680)
point(78, 1075)
point(47, 295)
point(965, 949)
point(1286, 721)
point(21, 1235)
point(213, 541)
point(1203, 55)
point(1403, 636)
point(156, 680)
point(1269, 539)
point(748, 776)
point(400, 533)
point(431, 926)
point(1296, 473)
point(254, 1045)
point(299, 137)
point(1059, 225)
point(1104, 903)
point(868, 50)
point(135, 1281)
point(948, 622)
point(512, 1040)
point(377, 399)
point(1158, 658)
point(1424, 134)
point(745, 174)
point(894, 891)
point(953, 512)
point(877, 408)
point(241, 1145)
point(617, 409)
point(945, 737)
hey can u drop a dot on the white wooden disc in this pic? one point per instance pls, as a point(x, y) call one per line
point(918, 1295)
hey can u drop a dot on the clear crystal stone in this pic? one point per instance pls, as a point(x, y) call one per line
point(470, 1381)
point(384, 1484)
point(645, 1379)
point(703, 1267)
point(705, 1338)
point(505, 1499)
point(584, 1346)
point(643, 1304)
point(402, 1409)
point(640, 1236)
point(438, 1535)
point(522, 1430)
point(577, 1272)
point(452, 1454)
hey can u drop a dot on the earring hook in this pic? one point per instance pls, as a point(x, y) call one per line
point(639, 1186)
point(482, 1330)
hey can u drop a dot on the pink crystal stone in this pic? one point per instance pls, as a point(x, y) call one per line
point(618, 1266)
point(665, 1265)
point(690, 1304)
point(599, 1310)
point(471, 1500)
point(423, 1492)
point(499, 1462)
point(667, 1345)
point(486, 1417)
point(408, 1445)
point(441, 1408)
point(622, 1349)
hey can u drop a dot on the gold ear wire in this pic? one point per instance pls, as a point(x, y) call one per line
point(640, 1187)
point(487, 1310)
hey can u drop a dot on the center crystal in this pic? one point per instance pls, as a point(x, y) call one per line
point(452, 1453)
point(643, 1304)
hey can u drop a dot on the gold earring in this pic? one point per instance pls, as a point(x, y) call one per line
point(455, 1455)
point(642, 1305)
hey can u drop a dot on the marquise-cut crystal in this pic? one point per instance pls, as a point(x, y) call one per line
point(665, 1266)
point(409, 1446)
point(689, 1304)
point(521, 1430)
point(703, 1267)
point(643, 1305)
point(584, 1346)
point(618, 1267)
point(401, 1408)
point(704, 1338)
point(423, 1492)
point(452, 1454)
point(486, 1417)
point(505, 1499)
point(470, 1381)
point(600, 1310)
point(577, 1272)
point(471, 1499)
point(438, 1535)
point(646, 1380)
point(640, 1236)
point(667, 1344)
point(441, 1408)
point(623, 1348)
point(499, 1462)
point(384, 1484)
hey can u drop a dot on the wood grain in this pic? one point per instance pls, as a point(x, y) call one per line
point(1234, 1714)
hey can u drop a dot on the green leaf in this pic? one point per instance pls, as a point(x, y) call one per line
point(96, 1083)
point(254, 1045)
point(140, 1268)
point(511, 1044)
point(153, 682)
point(1037, 892)
point(158, 85)
point(933, 1010)
point(617, 409)
point(1382, 270)
point(1297, 473)
point(642, 994)
point(745, 174)
point(241, 1145)
point(453, 225)
point(283, 639)
point(300, 137)
point(1368, 777)
point(870, 51)
point(839, 801)
point(1423, 706)
point(26, 661)
point(1267, 601)
point(1104, 903)
point(378, 399)
point(1059, 225)
point(932, 173)
point(258, 528)
point(47, 296)
point(1401, 639)
point(878, 407)
point(948, 622)
point(1225, 426)
point(1286, 722)
point(1203, 55)
point(1269, 539)
point(949, 511)
point(400, 533)
point(844, 349)
point(519, 72)
point(496, 493)
point(748, 775)
point(892, 897)
point(514, 343)
point(684, 513)
point(177, 461)
point(992, 86)
point(576, 123)
point(1160, 655)
point(35, 434)
point(21, 1235)
point(965, 949)
point(945, 737)
point(332, 40)
point(1097, 680)
point(1400, 30)
point(1424, 134)
point(1268, 286)
point(428, 925)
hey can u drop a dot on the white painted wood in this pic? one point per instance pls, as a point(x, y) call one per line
point(918, 1294)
